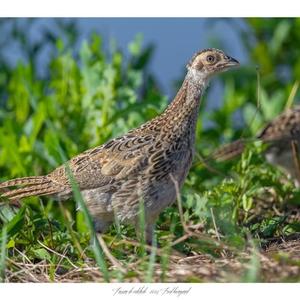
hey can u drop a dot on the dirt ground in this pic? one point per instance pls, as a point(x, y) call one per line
point(278, 262)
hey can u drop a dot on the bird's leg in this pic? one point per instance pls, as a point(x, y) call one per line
point(101, 226)
point(295, 152)
point(146, 234)
point(149, 233)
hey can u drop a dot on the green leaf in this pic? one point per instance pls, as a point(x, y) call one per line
point(11, 244)
point(136, 46)
point(253, 118)
point(280, 35)
point(16, 223)
point(42, 253)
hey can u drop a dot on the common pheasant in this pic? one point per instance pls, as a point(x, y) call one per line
point(279, 134)
point(141, 165)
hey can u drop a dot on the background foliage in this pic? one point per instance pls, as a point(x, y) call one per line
point(91, 96)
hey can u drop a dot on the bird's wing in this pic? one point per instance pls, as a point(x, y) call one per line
point(286, 126)
point(107, 163)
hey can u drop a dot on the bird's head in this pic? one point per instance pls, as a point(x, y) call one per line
point(209, 62)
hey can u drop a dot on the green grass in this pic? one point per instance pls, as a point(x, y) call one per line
point(96, 248)
point(3, 253)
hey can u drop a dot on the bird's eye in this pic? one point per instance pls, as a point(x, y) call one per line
point(210, 58)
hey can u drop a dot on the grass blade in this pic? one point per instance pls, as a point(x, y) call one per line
point(98, 252)
point(292, 95)
point(3, 253)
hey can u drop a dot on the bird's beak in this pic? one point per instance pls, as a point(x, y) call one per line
point(228, 62)
point(231, 62)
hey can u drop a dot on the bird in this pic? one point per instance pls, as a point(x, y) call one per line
point(141, 166)
point(281, 135)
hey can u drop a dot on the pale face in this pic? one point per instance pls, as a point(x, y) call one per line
point(211, 61)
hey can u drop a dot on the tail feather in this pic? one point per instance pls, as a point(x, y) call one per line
point(24, 181)
point(28, 186)
point(229, 151)
point(30, 191)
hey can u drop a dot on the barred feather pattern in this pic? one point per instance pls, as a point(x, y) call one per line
point(278, 134)
point(140, 166)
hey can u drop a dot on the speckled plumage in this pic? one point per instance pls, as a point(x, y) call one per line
point(278, 134)
point(115, 177)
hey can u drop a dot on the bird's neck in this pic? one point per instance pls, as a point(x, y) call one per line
point(183, 110)
point(181, 114)
point(188, 97)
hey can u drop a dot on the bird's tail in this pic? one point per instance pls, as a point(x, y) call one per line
point(229, 151)
point(27, 186)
